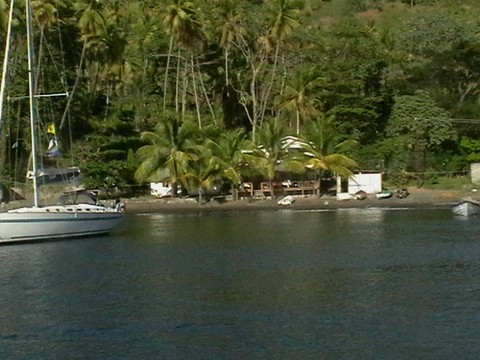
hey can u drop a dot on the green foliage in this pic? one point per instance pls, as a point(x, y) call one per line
point(417, 127)
point(227, 154)
point(270, 150)
point(299, 98)
point(388, 74)
point(115, 174)
point(419, 122)
point(429, 33)
point(469, 146)
point(327, 150)
point(168, 151)
point(354, 89)
point(456, 182)
point(470, 149)
point(106, 156)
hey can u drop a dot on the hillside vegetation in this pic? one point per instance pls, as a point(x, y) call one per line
point(191, 90)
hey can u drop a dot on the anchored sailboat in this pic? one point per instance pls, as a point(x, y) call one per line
point(76, 214)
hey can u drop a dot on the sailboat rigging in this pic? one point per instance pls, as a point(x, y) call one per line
point(76, 214)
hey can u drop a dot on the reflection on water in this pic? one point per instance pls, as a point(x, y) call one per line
point(350, 284)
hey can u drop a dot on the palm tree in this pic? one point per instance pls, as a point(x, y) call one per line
point(46, 16)
point(91, 20)
point(202, 172)
point(179, 21)
point(269, 152)
point(325, 150)
point(168, 153)
point(283, 20)
point(226, 152)
point(256, 47)
point(46, 12)
point(4, 10)
point(299, 96)
point(228, 28)
point(108, 58)
point(91, 23)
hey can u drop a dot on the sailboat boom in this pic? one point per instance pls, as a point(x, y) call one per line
point(38, 96)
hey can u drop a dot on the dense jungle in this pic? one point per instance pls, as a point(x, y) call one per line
point(224, 91)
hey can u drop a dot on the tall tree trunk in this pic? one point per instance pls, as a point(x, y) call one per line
point(165, 81)
point(284, 75)
point(270, 85)
point(184, 89)
point(177, 85)
point(3, 146)
point(77, 80)
point(227, 80)
point(253, 94)
point(272, 191)
point(205, 93)
point(319, 183)
point(194, 83)
point(298, 120)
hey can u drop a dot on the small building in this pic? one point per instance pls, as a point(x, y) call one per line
point(160, 189)
point(369, 183)
point(475, 173)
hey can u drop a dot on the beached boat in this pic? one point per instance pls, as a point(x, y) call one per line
point(401, 193)
point(466, 208)
point(385, 194)
point(73, 217)
point(286, 200)
point(360, 195)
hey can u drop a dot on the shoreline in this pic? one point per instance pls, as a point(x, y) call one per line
point(417, 199)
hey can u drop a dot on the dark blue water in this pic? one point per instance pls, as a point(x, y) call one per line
point(348, 284)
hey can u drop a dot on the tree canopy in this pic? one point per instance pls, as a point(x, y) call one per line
point(388, 74)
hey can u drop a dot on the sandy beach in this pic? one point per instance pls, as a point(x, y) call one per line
point(417, 198)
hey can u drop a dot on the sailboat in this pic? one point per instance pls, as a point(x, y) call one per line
point(77, 214)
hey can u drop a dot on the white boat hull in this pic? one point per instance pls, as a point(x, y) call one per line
point(56, 222)
point(384, 195)
point(466, 208)
point(287, 200)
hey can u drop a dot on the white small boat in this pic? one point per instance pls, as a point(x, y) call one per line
point(385, 194)
point(360, 195)
point(287, 200)
point(466, 208)
point(344, 196)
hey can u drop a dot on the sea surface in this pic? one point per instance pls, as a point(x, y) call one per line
point(343, 284)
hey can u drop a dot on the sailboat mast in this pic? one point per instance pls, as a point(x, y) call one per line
point(32, 100)
point(6, 59)
point(3, 85)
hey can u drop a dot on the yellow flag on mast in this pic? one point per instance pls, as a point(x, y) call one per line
point(51, 129)
point(52, 150)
